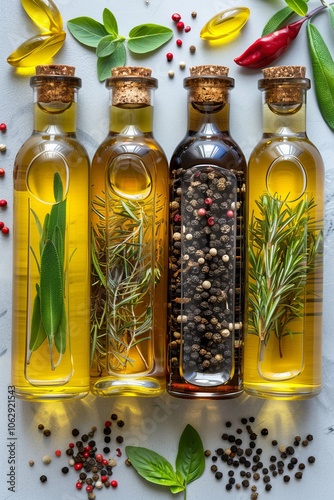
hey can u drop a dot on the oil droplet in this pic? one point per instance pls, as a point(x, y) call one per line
point(226, 25)
point(129, 177)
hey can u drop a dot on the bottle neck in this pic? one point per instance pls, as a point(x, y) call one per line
point(284, 109)
point(208, 104)
point(55, 103)
point(208, 119)
point(57, 119)
point(131, 120)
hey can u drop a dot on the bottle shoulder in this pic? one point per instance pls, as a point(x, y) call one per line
point(114, 145)
point(38, 144)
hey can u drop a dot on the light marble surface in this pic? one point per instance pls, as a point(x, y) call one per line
point(158, 423)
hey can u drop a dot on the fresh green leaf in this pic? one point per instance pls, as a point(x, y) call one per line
point(37, 333)
point(60, 336)
point(107, 46)
point(87, 31)
point(104, 64)
point(323, 73)
point(278, 20)
point(331, 14)
point(51, 289)
point(152, 466)
point(181, 487)
point(110, 23)
point(147, 37)
point(298, 6)
point(190, 459)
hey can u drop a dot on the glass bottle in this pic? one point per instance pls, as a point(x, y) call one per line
point(285, 231)
point(129, 191)
point(206, 246)
point(51, 280)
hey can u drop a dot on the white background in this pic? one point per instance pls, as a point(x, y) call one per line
point(158, 423)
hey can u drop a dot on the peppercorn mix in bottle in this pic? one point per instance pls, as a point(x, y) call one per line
point(206, 253)
point(285, 208)
point(129, 214)
point(51, 280)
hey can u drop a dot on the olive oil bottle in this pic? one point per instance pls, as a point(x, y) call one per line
point(129, 203)
point(206, 250)
point(285, 207)
point(51, 279)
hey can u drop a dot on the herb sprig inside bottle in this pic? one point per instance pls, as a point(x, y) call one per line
point(110, 45)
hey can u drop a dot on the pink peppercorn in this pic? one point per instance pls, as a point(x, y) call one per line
point(114, 483)
point(180, 25)
point(3, 203)
point(179, 42)
point(2, 172)
point(201, 212)
point(58, 453)
point(89, 488)
point(78, 466)
point(208, 201)
point(211, 221)
point(187, 29)
point(3, 127)
point(5, 230)
point(78, 485)
point(169, 56)
point(99, 457)
point(176, 17)
point(230, 213)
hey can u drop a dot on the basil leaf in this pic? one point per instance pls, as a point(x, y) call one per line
point(51, 289)
point(86, 30)
point(110, 23)
point(104, 64)
point(179, 488)
point(298, 6)
point(278, 20)
point(147, 37)
point(152, 466)
point(107, 45)
point(190, 459)
point(323, 73)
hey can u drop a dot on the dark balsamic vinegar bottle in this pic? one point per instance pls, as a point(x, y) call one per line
point(206, 251)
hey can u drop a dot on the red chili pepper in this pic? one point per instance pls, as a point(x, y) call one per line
point(268, 48)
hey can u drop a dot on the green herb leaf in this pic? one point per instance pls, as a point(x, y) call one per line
point(60, 336)
point(147, 37)
point(190, 459)
point(323, 73)
point(51, 289)
point(37, 333)
point(104, 64)
point(110, 22)
point(152, 466)
point(107, 46)
point(298, 6)
point(87, 31)
point(331, 14)
point(278, 20)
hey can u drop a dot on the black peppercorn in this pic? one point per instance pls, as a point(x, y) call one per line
point(218, 475)
point(43, 479)
point(65, 470)
point(75, 432)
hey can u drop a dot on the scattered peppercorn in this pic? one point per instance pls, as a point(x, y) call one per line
point(194, 14)
point(180, 25)
point(3, 127)
point(120, 423)
point(176, 17)
point(2, 148)
point(2, 172)
point(43, 479)
point(47, 432)
point(192, 49)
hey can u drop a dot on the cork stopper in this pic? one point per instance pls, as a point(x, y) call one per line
point(56, 83)
point(284, 84)
point(209, 84)
point(131, 85)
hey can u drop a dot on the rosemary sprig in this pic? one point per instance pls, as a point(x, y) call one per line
point(125, 270)
point(283, 246)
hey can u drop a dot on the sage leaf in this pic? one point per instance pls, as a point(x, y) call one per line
point(87, 31)
point(58, 210)
point(44, 13)
point(44, 233)
point(298, 6)
point(110, 23)
point(278, 20)
point(190, 459)
point(37, 332)
point(51, 289)
point(147, 37)
point(152, 466)
point(60, 336)
point(323, 73)
point(104, 64)
point(107, 46)
point(38, 222)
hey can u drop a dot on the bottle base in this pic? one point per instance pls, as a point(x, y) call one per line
point(41, 396)
point(145, 387)
point(179, 393)
point(290, 393)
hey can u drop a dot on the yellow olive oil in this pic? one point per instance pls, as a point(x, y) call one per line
point(283, 326)
point(51, 282)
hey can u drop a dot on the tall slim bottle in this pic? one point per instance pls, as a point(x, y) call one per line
point(285, 229)
point(129, 218)
point(206, 246)
point(51, 280)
